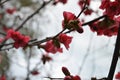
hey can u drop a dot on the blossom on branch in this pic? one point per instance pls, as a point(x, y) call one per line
point(66, 40)
point(20, 40)
point(71, 22)
point(51, 47)
point(112, 8)
point(88, 11)
point(107, 27)
point(10, 10)
point(68, 76)
point(81, 3)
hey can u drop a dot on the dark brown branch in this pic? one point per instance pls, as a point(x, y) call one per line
point(2, 33)
point(1, 3)
point(92, 21)
point(7, 48)
point(84, 7)
point(115, 57)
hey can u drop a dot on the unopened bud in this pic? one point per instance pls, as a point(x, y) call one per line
point(65, 71)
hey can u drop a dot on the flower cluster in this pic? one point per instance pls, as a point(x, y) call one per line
point(111, 8)
point(88, 11)
point(71, 22)
point(107, 27)
point(20, 40)
point(68, 76)
point(53, 46)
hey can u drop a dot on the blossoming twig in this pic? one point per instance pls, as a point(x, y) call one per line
point(83, 8)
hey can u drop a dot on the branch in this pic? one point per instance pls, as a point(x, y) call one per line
point(115, 57)
point(1, 3)
point(50, 38)
point(89, 22)
point(84, 7)
point(28, 64)
point(54, 78)
point(92, 21)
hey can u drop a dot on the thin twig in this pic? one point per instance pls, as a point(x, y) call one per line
point(29, 17)
point(28, 64)
point(1, 3)
point(84, 7)
point(2, 33)
point(54, 78)
point(92, 21)
point(86, 54)
point(7, 48)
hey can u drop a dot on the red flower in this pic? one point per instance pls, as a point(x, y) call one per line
point(88, 11)
point(71, 22)
point(82, 2)
point(111, 8)
point(34, 72)
point(117, 76)
point(104, 4)
point(51, 47)
point(20, 40)
point(68, 16)
point(66, 40)
point(105, 27)
point(72, 78)
point(68, 76)
point(76, 77)
point(10, 10)
point(61, 1)
point(2, 77)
